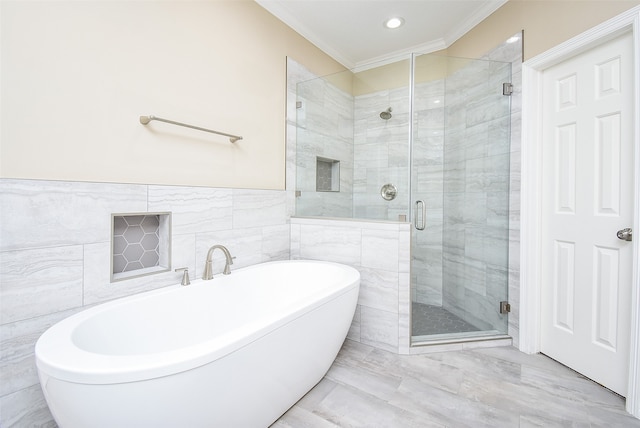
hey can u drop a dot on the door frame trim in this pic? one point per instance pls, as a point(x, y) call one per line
point(531, 196)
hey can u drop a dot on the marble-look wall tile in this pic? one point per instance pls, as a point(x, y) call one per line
point(404, 312)
point(243, 244)
point(54, 213)
point(512, 53)
point(477, 180)
point(35, 282)
point(253, 208)
point(25, 408)
point(379, 328)
point(194, 209)
point(276, 243)
point(295, 231)
point(381, 154)
point(354, 329)
point(323, 128)
point(404, 248)
point(17, 358)
point(336, 244)
point(379, 289)
point(56, 259)
point(380, 249)
point(383, 286)
point(97, 279)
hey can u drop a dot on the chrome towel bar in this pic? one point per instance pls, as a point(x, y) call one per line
point(146, 119)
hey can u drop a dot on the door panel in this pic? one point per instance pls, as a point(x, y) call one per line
point(587, 197)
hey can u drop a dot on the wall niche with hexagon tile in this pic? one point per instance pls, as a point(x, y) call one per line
point(140, 244)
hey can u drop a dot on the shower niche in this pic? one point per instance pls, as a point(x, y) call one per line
point(438, 128)
point(327, 175)
point(140, 244)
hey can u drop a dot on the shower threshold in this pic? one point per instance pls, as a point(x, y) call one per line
point(453, 338)
point(435, 325)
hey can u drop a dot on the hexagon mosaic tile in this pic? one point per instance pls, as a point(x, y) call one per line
point(135, 242)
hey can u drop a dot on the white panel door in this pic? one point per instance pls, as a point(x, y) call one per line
point(587, 188)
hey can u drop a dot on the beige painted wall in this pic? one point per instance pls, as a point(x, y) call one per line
point(77, 75)
point(546, 23)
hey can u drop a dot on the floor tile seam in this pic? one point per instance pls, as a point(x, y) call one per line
point(367, 397)
point(551, 389)
point(358, 391)
point(315, 413)
point(404, 368)
point(522, 404)
point(503, 385)
point(441, 419)
point(466, 402)
point(632, 422)
point(365, 370)
point(427, 385)
point(407, 369)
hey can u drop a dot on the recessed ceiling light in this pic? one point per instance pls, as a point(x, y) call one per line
point(394, 22)
point(513, 39)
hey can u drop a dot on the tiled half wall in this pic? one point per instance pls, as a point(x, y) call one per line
point(55, 257)
point(380, 251)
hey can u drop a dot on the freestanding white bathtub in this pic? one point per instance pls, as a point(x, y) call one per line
point(236, 351)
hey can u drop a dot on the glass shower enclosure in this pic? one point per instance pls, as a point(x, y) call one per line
point(426, 140)
point(460, 197)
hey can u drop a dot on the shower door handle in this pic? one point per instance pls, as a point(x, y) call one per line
point(420, 217)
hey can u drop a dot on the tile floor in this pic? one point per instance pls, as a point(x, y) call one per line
point(429, 319)
point(482, 387)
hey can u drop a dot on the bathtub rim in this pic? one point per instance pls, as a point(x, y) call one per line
point(73, 364)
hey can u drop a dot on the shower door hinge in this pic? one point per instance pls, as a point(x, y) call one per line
point(298, 104)
point(505, 307)
point(507, 89)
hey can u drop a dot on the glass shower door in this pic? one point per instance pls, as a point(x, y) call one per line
point(460, 198)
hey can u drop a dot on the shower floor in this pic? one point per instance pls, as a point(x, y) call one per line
point(428, 319)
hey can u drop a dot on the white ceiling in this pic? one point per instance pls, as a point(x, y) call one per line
point(352, 31)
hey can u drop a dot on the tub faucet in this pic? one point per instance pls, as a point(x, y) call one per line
point(208, 265)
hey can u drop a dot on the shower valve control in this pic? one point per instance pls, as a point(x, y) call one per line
point(388, 192)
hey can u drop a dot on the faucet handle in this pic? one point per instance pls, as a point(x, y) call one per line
point(185, 275)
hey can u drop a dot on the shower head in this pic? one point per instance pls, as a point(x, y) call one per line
point(386, 115)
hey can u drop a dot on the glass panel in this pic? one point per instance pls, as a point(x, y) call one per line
point(460, 170)
point(442, 145)
point(359, 121)
point(324, 119)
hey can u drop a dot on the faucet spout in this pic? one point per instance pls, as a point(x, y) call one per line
point(208, 265)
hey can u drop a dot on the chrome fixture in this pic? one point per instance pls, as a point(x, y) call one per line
point(505, 307)
point(386, 115)
point(146, 119)
point(420, 217)
point(388, 192)
point(625, 234)
point(208, 265)
point(185, 275)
